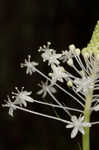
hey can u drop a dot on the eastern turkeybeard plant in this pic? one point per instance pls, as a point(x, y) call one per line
point(82, 79)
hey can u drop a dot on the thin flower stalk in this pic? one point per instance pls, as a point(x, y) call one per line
point(83, 82)
point(81, 64)
point(40, 114)
point(48, 116)
point(62, 89)
point(45, 88)
point(53, 97)
point(58, 106)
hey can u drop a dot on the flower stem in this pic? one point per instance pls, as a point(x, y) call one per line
point(86, 136)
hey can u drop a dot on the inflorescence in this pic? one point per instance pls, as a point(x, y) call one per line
point(85, 81)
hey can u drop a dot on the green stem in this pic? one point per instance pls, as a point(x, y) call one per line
point(86, 136)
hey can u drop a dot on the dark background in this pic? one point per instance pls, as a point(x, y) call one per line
point(24, 26)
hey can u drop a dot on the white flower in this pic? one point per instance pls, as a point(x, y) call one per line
point(96, 108)
point(53, 59)
point(49, 55)
point(84, 83)
point(11, 106)
point(65, 56)
point(73, 51)
point(77, 124)
point(30, 65)
point(58, 74)
point(45, 88)
point(22, 97)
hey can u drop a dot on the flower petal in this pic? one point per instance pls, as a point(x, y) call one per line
point(70, 126)
point(86, 124)
point(40, 92)
point(82, 130)
point(28, 99)
point(74, 132)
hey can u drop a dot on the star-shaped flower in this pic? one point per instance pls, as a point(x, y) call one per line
point(53, 59)
point(96, 107)
point(77, 124)
point(58, 74)
point(84, 83)
point(30, 65)
point(49, 55)
point(11, 106)
point(22, 97)
point(45, 88)
point(73, 51)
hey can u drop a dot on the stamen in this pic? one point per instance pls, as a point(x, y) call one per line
point(81, 64)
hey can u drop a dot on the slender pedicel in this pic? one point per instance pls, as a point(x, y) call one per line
point(60, 87)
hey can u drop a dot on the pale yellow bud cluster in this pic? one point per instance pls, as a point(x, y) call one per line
point(93, 46)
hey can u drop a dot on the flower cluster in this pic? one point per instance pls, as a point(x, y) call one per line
point(83, 81)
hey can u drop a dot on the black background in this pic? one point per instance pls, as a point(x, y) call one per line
point(24, 26)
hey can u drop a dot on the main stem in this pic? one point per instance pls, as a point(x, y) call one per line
point(86, 136)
